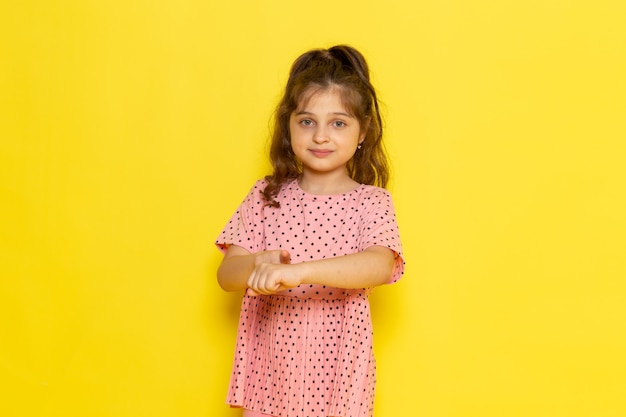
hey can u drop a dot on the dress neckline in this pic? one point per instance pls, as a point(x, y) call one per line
point(296, 186)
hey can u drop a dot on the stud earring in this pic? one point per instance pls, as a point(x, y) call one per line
point(358, 147)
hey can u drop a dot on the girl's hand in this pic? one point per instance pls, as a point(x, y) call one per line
point(272, 257)
point(272, 273)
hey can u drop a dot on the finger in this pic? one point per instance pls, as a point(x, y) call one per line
point(258, 285)
point(253, 284)
point(285, 257)
point(282, 288)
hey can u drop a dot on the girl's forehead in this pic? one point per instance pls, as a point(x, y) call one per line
point(326, 95)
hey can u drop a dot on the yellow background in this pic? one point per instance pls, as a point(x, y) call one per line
point(130, 130)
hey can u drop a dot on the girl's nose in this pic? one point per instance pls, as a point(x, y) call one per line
point(321, 135)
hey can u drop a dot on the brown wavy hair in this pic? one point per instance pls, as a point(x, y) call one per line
point(342, 68)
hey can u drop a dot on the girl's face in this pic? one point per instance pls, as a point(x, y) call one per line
point(324, 136)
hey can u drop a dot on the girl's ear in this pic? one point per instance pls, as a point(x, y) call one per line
point(364, 129)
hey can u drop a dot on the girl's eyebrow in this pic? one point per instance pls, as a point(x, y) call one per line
point(337, 113)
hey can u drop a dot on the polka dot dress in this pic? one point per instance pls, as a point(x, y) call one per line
point(307, 351)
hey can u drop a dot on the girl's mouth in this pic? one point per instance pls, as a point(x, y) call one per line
point(320, 153)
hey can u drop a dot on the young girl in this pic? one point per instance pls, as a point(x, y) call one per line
point(308, 244)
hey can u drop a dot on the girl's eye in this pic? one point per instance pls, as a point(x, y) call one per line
point(339, 123)
point(306, 122)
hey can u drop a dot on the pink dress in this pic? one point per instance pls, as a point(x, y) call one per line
point(307, 351)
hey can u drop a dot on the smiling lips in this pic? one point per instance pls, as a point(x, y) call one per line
point(320, 153)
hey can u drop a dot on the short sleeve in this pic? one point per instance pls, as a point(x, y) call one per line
point(245, 226)
point(379, 227)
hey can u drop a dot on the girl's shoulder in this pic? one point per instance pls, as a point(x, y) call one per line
point(255, 193)
point(373, 191)
point(260, 183)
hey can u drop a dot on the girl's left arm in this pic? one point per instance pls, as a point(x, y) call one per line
point(368, 268)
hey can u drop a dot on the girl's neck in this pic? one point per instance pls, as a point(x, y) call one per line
point(324, 185)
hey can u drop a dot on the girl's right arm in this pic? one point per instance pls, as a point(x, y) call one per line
point(238, 264)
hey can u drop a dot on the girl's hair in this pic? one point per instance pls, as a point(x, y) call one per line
point(342, 68)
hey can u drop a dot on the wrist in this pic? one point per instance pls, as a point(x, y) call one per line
point(303, 271)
